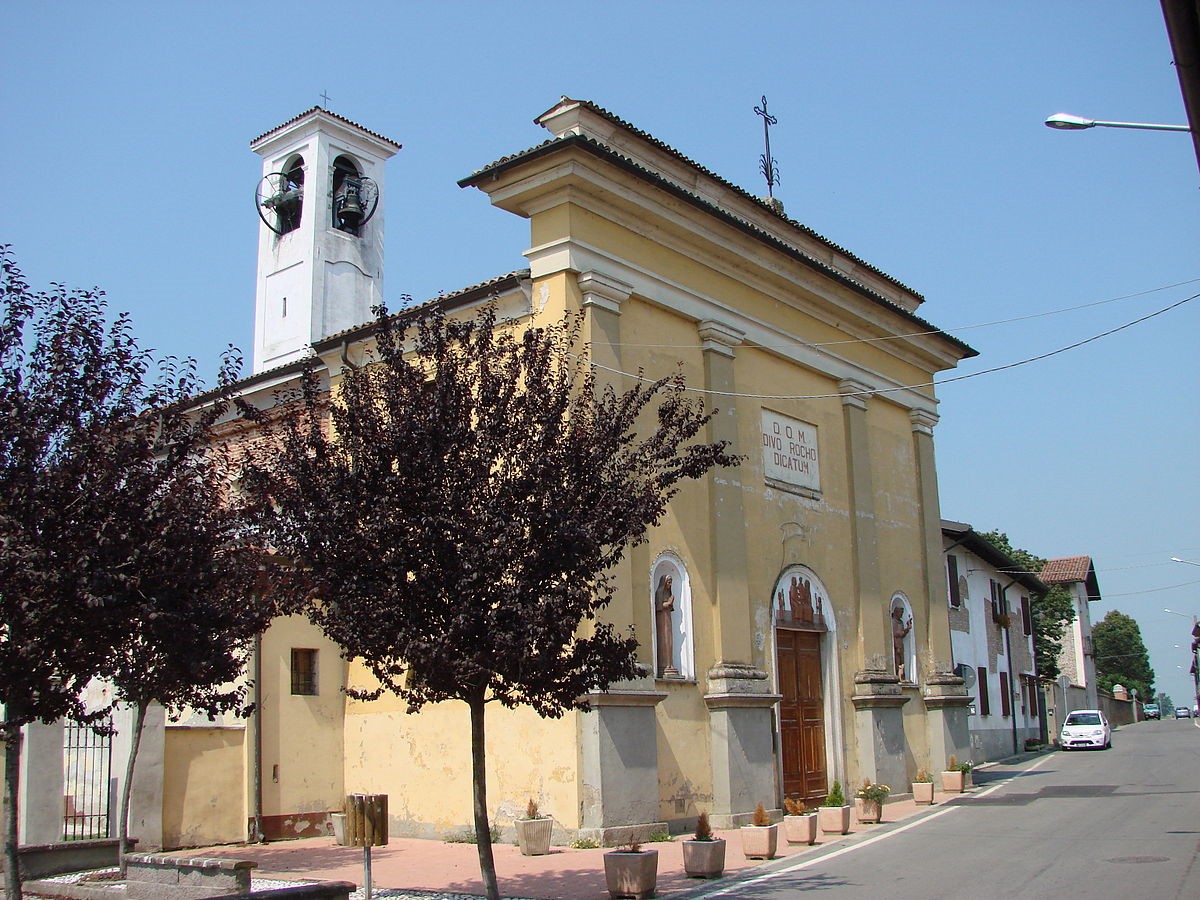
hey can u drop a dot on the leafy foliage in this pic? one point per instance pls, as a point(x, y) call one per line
point(1121, 656)
point(835, 797)
point(112, 529)
point(457, 508)
point(1051, 612)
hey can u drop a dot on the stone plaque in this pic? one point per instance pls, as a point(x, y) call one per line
point(790, 453)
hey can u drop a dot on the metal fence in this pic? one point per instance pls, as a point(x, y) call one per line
point(87, 761)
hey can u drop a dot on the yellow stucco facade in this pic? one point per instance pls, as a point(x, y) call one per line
point(820, 369)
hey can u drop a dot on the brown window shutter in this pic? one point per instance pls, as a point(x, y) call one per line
point(984, 707)
point(1005, 696)
point(1026, 617)
point(952, 575)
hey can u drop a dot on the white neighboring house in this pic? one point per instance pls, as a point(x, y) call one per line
point(1076, 687)
point(991, 633)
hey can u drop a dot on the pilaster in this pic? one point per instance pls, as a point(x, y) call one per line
point(874, 629)
point(943, 692)
point(619, 763)
point(740, 710)
point(41, 785)
point(600, 298)
point(732, 616)
point(146, 799)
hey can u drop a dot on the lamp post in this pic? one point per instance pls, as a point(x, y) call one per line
point(1068, 122)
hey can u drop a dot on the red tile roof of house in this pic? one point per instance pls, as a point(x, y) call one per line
point(1066, 569)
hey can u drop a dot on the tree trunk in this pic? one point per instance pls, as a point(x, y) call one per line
point(12, 779)
point(483, 834)
point(139, 719)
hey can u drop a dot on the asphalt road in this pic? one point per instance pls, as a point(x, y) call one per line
point(1121, 823)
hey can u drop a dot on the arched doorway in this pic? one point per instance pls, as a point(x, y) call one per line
point(802, 626)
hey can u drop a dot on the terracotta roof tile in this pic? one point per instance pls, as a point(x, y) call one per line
point(332, 115)
point(1066, 569)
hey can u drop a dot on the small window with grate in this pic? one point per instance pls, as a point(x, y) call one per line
point(304, 672)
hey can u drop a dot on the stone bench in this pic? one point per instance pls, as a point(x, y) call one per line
point(153, 877)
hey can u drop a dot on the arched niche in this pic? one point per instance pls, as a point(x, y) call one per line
point(671, 607)
point(904, 645)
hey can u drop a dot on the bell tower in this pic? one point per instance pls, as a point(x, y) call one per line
point(320, 244)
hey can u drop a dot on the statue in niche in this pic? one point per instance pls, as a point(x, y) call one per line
point(900, 630)
point(664, 626)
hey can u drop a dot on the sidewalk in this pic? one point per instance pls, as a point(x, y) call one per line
point(412, 868)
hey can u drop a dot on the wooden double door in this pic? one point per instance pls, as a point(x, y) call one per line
point(801, 713)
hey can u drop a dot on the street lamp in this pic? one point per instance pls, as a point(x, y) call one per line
point(1068, 122)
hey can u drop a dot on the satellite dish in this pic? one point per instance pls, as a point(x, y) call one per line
point(278, 200)
point(966, 673)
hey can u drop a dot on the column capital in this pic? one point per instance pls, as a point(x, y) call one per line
point(854, 393)
point(603, 291)
point(922, 421)
point(719, 337)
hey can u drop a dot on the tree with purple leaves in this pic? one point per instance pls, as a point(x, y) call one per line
point(458, 503)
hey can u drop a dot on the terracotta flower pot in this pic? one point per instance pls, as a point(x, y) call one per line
point(953, 782)
point(704, 859)
point(631, 874)
point(834, 819)
point(923, 792)
point(868, 812)
point(760, 841)
point(800, 829)
point(533, 836)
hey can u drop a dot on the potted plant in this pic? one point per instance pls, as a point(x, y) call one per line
point(799, 824)
point(834, 812)
point(954, 779)
point(922, 788)
point(533, 831)
point(760, 838)
point(704, 854)
point(631, 871)
point(870, 799)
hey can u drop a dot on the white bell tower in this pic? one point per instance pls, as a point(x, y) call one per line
point(320, 245)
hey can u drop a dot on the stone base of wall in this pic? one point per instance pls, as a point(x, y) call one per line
point(990, 745)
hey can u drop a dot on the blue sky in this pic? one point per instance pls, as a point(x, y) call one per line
point(910, 133)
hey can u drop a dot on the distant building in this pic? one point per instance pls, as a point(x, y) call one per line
point(991, 630)
point(1076, 688)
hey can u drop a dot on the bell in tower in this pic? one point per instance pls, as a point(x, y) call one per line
point(320, 248)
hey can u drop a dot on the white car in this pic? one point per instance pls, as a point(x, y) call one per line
point(1085, 728)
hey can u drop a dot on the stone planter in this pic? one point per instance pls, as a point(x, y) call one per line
point(631, 874)
point(533, 836)
point(704, 859)
point(953, 782)
point(834, 819)
point(760, 841)
point(923, 793)
point(338, 821)
point(800, 829)
point(868, 812)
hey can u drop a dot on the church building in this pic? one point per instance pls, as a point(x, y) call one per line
point(792, 612)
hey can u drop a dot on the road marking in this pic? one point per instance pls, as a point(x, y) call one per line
point(804, 864)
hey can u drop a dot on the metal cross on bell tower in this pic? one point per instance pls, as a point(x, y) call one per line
point(766, 162)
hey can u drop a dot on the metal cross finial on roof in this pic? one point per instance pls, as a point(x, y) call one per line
point(325, 99)
point(766, 162)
